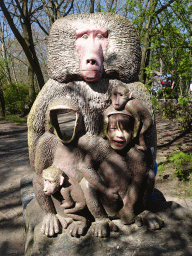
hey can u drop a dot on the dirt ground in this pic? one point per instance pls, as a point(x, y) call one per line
point(14, 165)
point(171, 139)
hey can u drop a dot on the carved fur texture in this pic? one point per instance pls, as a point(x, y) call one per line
point(66, 89)
point(121, 60)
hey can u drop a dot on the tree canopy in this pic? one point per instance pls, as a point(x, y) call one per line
point(164, 28)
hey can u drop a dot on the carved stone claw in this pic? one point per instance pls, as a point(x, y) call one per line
point(143, 148)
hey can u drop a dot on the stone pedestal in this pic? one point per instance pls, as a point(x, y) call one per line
point(175, 238)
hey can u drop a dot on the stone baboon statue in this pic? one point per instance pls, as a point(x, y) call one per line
point(88, 55)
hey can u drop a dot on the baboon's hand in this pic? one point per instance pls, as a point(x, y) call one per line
point(50, 225)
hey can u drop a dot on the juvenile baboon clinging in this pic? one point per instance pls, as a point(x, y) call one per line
point(122, 100)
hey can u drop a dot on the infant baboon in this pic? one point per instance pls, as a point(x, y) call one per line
point(56, 181)
point(53, 179)
point(122, 100)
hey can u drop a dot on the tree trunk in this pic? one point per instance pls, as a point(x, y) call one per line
point(109, 5)
point(4, 53)
point(29, 49)
point(31, 85)
point(13, 69)
point(2, 100)
point(146, 42)
point(145, 53)
point(92, 6)
point(27, 35)
point(161, 66)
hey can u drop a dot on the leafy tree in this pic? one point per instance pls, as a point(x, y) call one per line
point(20, 13)
point(16, 98)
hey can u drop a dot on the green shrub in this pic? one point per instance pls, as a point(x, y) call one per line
point(169, 93)
point(161, 167)
point(14, 119)
point(156, 103)
point(16, 98)
point(181, 161)
point(180, 111)
point(170, 109)
point(184, 112)
point(160, 94)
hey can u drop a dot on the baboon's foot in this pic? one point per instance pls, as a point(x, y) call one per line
point(102, 227)
point(151, 220)
point(77, 228)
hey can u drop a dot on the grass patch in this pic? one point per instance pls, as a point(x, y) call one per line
point(14, 119)
point(181, 162)
point(174, 175)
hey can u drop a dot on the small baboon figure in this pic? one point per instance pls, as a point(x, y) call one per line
point(56, 181)
point(122, 100)
point(53, 181)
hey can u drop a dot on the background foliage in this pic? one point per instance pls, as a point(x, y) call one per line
point(164, 28)
point(16, 98)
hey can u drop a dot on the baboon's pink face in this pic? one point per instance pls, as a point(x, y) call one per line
point(91, 45)
point(119, 98)
point(50, 187)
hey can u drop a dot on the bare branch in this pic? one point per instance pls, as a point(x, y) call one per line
point(41, 27)
point(30, 7)
point(59, 5)
point(70, 8)
point(20, 9)
point(91, 10)
point(164, 7)
point(37, 9)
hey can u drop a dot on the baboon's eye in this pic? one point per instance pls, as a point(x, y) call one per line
point(100, 36)
point(85, 36)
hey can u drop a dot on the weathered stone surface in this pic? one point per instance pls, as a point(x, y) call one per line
point(26, 185)
point(173, 239)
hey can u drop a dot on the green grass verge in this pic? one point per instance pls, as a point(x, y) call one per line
point(14, 119)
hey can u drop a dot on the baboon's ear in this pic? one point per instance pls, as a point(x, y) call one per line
point(61, 180)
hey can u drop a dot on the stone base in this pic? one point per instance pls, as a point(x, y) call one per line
point(175, 238)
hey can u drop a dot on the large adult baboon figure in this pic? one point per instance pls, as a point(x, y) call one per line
point(88, 54)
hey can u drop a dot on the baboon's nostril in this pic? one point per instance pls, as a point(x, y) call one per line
point(91, 61)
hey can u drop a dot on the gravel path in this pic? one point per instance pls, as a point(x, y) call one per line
point(14, 164)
